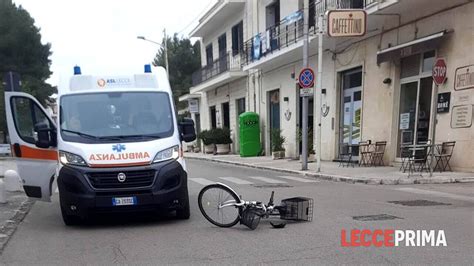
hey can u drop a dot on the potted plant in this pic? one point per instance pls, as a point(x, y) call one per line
point(277, 141)
point(311, 153)
point(208, 142)
point(222, 140)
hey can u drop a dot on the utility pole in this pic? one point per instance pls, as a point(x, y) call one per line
point(166, 54)
point(304, 152)
point(319, 89)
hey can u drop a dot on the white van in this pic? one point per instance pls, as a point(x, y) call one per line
point(116, 147)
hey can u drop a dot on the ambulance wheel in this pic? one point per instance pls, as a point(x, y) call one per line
point(70, 220)
point(184, 212)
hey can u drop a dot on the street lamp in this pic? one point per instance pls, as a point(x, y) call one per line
point(164, 47)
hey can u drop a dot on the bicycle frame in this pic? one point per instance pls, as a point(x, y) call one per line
point(268, 210)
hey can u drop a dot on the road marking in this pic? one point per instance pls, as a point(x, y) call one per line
point(267, 180)
point(299, 179)
point(202, 181)
point(436, 193)
point(236, 180)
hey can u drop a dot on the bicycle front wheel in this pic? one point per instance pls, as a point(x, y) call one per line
point(216, 203)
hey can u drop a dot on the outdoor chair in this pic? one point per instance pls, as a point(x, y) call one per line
point(377, 154)
point(405, 154)
point(345, 155)
point(365, 153)
point(417, 160)
point(444, 156)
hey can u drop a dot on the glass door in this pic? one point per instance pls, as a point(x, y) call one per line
point(415, 110)
point(351, 109)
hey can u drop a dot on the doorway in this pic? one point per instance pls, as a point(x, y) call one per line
point(416, 89)
point(310, 123)
point(226, 115)
point(351, 109)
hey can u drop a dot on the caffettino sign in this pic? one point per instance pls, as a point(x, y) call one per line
point(347, 23)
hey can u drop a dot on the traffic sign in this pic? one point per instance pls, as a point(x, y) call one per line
point(439, 71)
point(306, 78)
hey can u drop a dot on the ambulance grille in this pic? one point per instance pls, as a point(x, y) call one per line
point(104, 180)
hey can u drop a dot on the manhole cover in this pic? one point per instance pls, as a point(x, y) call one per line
point(418, 203)
point(376, 217)
point(271, 185)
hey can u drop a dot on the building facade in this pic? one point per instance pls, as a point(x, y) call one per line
point(376, 87)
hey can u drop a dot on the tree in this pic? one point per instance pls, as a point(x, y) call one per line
point(183, 59)
point(21, 51)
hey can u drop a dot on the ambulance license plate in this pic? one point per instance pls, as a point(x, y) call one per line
point(124, 201)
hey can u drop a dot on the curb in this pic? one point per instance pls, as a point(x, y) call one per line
point(9, 227)
point(336, 178)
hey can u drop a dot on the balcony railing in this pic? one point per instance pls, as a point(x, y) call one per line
point(225, 63)
point(290, 30)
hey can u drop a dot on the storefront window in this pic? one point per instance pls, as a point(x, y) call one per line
point(410, 66)
point(428, 61)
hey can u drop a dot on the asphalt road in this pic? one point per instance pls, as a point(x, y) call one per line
point(43, 239)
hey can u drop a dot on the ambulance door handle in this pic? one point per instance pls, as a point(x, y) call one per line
point(17, 150)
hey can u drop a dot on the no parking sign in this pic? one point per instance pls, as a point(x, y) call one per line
point(306, 81)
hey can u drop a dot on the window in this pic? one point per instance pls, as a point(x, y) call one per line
point(237, 38)
point(222, 42)
point(128, 116)
point(240, 103)
point(26, 114)
point(273, 14)
point(226, 114)
point(209, 56)
point(212, 111)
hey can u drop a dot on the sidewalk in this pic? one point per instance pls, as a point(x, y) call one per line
point(331, 171)
point(15, 209)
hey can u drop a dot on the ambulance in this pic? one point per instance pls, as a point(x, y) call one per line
point(116, 146)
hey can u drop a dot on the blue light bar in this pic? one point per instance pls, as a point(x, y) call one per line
point(147, 68)
point(77, 70)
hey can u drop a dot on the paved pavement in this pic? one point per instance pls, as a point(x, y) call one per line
point(42, 238)
point(332, 171)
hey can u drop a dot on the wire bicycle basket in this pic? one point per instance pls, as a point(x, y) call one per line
point(297, 209)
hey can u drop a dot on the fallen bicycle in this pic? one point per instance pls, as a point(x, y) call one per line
point(221, 206)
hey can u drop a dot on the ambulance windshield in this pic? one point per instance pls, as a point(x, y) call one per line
point(112, 116)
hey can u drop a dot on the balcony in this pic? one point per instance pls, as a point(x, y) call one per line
point(220, 71)
point(287, 34)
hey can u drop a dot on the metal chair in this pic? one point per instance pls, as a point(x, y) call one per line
point(345, 155)
point(418, 157)
point(443, 158)
point(377, 154)
point(405, 154)
point(365, 153)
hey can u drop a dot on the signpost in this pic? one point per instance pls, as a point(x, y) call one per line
point(306, 81)
point(439, 77)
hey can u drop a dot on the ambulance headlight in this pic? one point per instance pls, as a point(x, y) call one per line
point(70, 158)
point(168, 154)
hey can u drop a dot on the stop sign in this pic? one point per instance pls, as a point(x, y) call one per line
point(439, 71)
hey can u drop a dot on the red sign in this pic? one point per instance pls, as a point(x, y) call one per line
point(439, 71)
point(306, 78)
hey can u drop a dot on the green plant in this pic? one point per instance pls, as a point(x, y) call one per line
point(205, 136)
point(277, 140)
point(221, 135)
point(310, 139)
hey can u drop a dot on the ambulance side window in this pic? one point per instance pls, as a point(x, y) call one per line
point(26, 114)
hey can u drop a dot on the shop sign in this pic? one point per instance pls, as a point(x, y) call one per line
point(347, 23)
point(443, 102)
point(404, 121)
point(193, 106)
point(461, 116)
point(464, 78)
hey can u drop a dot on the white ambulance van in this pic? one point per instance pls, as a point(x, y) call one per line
point(116, 147)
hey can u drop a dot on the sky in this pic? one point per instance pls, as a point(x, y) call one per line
point(101, 36)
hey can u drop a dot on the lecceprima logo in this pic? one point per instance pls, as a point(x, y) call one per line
point(393, 238)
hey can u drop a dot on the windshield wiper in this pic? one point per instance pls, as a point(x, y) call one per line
point(81, 134)
point(138, 136)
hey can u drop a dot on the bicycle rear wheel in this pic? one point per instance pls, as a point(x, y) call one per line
point(211, 198)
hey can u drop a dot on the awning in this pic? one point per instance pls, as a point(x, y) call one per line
point(416, 46)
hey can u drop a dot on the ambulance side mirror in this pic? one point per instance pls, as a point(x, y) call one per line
point(187, 130)
point(45, 136)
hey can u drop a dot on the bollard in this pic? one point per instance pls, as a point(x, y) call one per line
point(3, 193)
point(12, 181)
